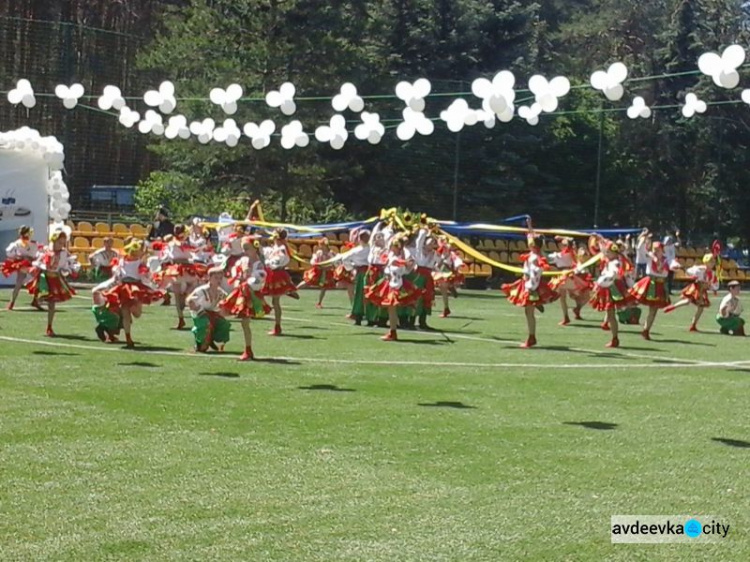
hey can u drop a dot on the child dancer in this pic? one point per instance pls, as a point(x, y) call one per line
point(730, 309)
point(532, 291)
point(611, 292)
point(132, 287)
point(102, 260)
point(357, 260)
point(448, 275)
point(209, 325)
point(393, 290)
point(377, 258)
point(704, 280)
point(565, 285)
point(106, 312)
point(651, 290)
point(320, 276)
point(278, 281)
point(231, 247)
point(427, 260)
point(180, 274)
point(19, 258)
point(245, 300)
point(48, 283)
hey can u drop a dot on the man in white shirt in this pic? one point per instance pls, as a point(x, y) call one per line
point(730, 310)
point(670, 253)
point(642, 247)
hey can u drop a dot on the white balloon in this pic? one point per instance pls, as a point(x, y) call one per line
point(524, 112)
point(709, 63)
point(746, 96)
point(70, 103)
point(733, 56)
point(24, 85)
point(339, 102)
point(234, 92)
point(425, 127)
point(633, 112)
point(118, 103)
point(599, 80)
point(498, 104)
point(691, 98)
point(62, 91)
point(302, 140)
point(470, 119)
point(374, 137)
point(688, 111)
point(152, 98)
point(615, 94)
point(646, 112)
point(548, 103)
point(267, 127)
point(288, 107)
point(533, 121)
point(361, 131)
point(455, 125)
point(405, 131)
point(218, 96)
point(504, 80)
point(29, 100)
point(220, 134)
point(183, 133)
point(287, 90)
point(258, 143)
point(403, 90)
point(230, 108)
point(232, 141)
point(538, 84)
point(144, 127)
point(167, 106)
point(196, 127)
point(357, 104)
point(560, 86)
point(337, 142)
point(204, 138)
point(700, 106)
point(618, 72)
point(157, 129)
point(348, 90)
point(171, 133)
point(638, 101)
point(729, 80)
point(422, 87)
point(274, 98)
point(76, 91)
point(15, 97)
point(417, 104)
point(323, 134)
point(481, 88)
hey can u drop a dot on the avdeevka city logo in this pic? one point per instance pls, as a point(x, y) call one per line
point(693, 528)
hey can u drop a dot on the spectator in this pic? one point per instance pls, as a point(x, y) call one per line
point(162, 226)
point(671, 244)
point(642, 247)
point(730, 310)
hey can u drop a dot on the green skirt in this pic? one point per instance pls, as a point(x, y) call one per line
point(730, 323)
point(210, 327)
point(358, 303)
point(106, 318)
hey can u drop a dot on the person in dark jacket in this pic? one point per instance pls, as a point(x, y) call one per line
point(162, 226)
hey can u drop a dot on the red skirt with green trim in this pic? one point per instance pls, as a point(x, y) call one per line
point(278, 283)
point(373, 275)
point(243, 302)
point(382, 294)
point(343, 275)
point(697, 294)
point(577, 284)
point(455, 278)
point(50, 287)
point(319, 277)
point(651, 291)
point(16, 265)
point(614, 297)
point(129, 293)
point(520, 296)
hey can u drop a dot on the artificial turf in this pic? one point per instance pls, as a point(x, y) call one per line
point(450, 445)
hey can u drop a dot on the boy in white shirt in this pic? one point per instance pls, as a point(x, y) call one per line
point(730, 310)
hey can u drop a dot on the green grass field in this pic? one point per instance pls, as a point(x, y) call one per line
point(452, 445)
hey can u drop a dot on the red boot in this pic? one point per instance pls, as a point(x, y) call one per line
point(247, 355)
point(693, 328)
point(605, 326)
point(614, 343)
point(180, 324)
point(646, 335)
point(530, 342)
point(390, 336)
point(446, 313)
point(11, 305)
point(50, 333)
point(669, 308)
point(565, 321)
point(276, 330)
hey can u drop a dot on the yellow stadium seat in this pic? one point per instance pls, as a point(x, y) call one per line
point(485, 270)
point(120, 229)
point(331, 237)
point(515, 257)
point(680, 275)
point(501, 244)
point(102, 227)
point(97, 243)
point(740, 275)
point(84, 226)
point(334, 249)
point(118, 243)
point(343, 236)
point(503, 257)
point(80, 242)
point(493, 255)
point(305, 251)
point(138, 230)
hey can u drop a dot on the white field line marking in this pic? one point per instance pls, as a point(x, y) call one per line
point(383, 362)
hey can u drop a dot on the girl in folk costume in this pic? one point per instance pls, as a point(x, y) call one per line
point(611, 292)
point(19, 258)
point(107, 313)
point(652, 290)
point(320, 276)
point(102, 260)
point(427, 260)
point(132, 287)
point(574, 285)
point(158, 261)
point(245, 300)
point(394, 290)
point(180, 275)
point(48, 283)
point(202, 256)
point(278, 281)
point(624, 307)
point(209, 325)
point(357, 260)
point(376, 259)
point(197, 236)
point(704, 279)
point(532, 291)
point(447, 275)
point(344, 273)
point(231, 247)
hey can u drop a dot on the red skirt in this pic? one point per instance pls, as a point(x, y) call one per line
point(697, 293)
point(343, 275)
point(520, 296)
point(454, 278)
point(278, 283)
point(428, 294)
point(576, 284)
point(651, 291)
point(373, 275)
point(50, 287)
point(382, 294)
point(16, 265)
point(243, 302)
point(230, 263)
point(129, 293)
point(201, 270)
point(177, 270)
point(319, 277)
point(615, 297)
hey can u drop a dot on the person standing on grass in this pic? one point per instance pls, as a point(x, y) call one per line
point(651, 290)
point(278, 281)
point(48, 281)
point(532, 291)
point(320, 276)
point(132, 287)
point(730, 311)
point(704, 279)
point(448, 274)
point(671, 244)
point(427, 260)
point(394, 290)
point(357, 260)
point(611, 292)
point(180, 275)
point(245, 301)
point(19, 256)
point(574, 285)
point(209, 325)
point(642, 246)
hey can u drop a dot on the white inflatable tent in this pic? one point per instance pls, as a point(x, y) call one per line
point(32, 191)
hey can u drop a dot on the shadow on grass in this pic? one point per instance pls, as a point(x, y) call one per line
point(732, 442)
point(139, 347)
point(327, 387)
point(275, 361)
point(223, 374)
point(686, 342)
point(454, 405)
point(53, 353)
point(73, 337)
point(139, 364)
point(299, 336)
point(599, 425)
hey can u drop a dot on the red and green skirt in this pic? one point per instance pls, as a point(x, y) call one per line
point(278, 283)
point(108, 317)
point(210, 327)
point(651, 292)
point(614, 297)
point(243, 302)
point(519, 295)
point(423, 280)
point(343, 275)
point(454, 278)
point(50, 287)
point(697, 294)
point(15, 265)
point(320, 277)
point(129, 293)
point(576, 284)
point(382, 294)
